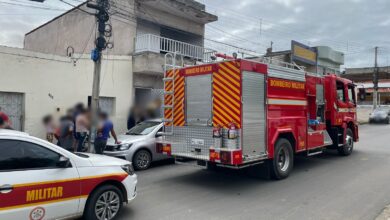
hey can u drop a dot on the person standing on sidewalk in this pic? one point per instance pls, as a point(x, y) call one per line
point(6, 122)
point(105, 128)
point(48, 122)
point(2, 123)
point(65, 139)
point(75, 112)
point(82, 125)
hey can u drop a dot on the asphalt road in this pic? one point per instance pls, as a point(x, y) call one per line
point(322, 187)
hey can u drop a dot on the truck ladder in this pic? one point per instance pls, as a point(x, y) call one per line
point(169, 66)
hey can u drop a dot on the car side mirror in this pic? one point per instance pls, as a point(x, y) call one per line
point(159, 134)
point(63, 162)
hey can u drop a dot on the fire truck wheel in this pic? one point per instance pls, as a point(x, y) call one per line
point(283, 161)
point(104, 203)
point(348, 146)
point(211, 166)
point(142, 160)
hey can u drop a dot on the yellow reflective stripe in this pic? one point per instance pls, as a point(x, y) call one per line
point(67, 180)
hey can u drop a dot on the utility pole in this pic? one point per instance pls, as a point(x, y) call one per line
point(101, 43)
point(375, 81)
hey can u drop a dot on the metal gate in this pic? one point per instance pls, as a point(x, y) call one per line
point(12, 104)
point(253, 122)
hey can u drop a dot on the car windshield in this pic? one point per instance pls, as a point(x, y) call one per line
point(381, 110)
point(143, 128)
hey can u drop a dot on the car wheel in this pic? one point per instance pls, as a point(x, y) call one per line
point(388, 121)
point(142, 160)
point(283, 162)
point(104, 203)
point(347, 148)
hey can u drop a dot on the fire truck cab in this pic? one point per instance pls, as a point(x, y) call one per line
point(238, 113)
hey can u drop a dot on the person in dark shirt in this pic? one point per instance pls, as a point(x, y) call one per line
point(131, 121)
point(2, 123)
point(65, 139)
point(105, 128)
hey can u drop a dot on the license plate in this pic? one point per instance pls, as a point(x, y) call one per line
point(195, 141)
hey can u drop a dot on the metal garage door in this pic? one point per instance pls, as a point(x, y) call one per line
point(199, 100)
point(12, 104)
point(253, 122)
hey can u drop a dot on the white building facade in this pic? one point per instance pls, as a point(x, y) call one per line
point(34, 84)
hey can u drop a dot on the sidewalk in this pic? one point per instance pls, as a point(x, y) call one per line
point(363, 113)
point(385, 215)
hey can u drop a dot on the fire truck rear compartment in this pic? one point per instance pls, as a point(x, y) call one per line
point(195, 139)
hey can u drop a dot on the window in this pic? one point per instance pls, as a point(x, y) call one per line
point(351, 94)
point(20, 155)
point(106, 104)
point(143, 96)
point(340, 91)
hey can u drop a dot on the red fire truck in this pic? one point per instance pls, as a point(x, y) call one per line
point(238, 113)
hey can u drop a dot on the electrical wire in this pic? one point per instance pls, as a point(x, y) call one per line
point(276, 26)
point(86, 42)
point(32, 6)
point(215, 41)
point(280, 32)
point(35, 57)
point(77, 6)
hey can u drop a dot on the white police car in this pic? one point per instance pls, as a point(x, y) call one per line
point(39, 180)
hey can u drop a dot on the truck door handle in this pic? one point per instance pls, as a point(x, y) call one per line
point(6, 188)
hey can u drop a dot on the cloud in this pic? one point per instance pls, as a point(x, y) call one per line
point(351, 26)
point(289, 20)
point(385, 23)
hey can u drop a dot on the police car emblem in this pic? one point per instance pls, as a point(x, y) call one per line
point(37, 213)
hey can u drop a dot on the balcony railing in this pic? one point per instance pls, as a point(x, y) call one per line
point(158, 44)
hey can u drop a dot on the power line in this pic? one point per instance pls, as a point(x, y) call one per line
point(86, 42)
point(226, 44)
point(237, 37)
point(281, 28)
point(280, 31)
point(77, 7)
point(36, 57)
point(32, 6)
point(21, 14)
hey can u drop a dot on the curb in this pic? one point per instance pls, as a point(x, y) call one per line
point(385, 215)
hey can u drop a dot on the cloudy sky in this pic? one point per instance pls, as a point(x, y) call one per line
point(354, 27)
